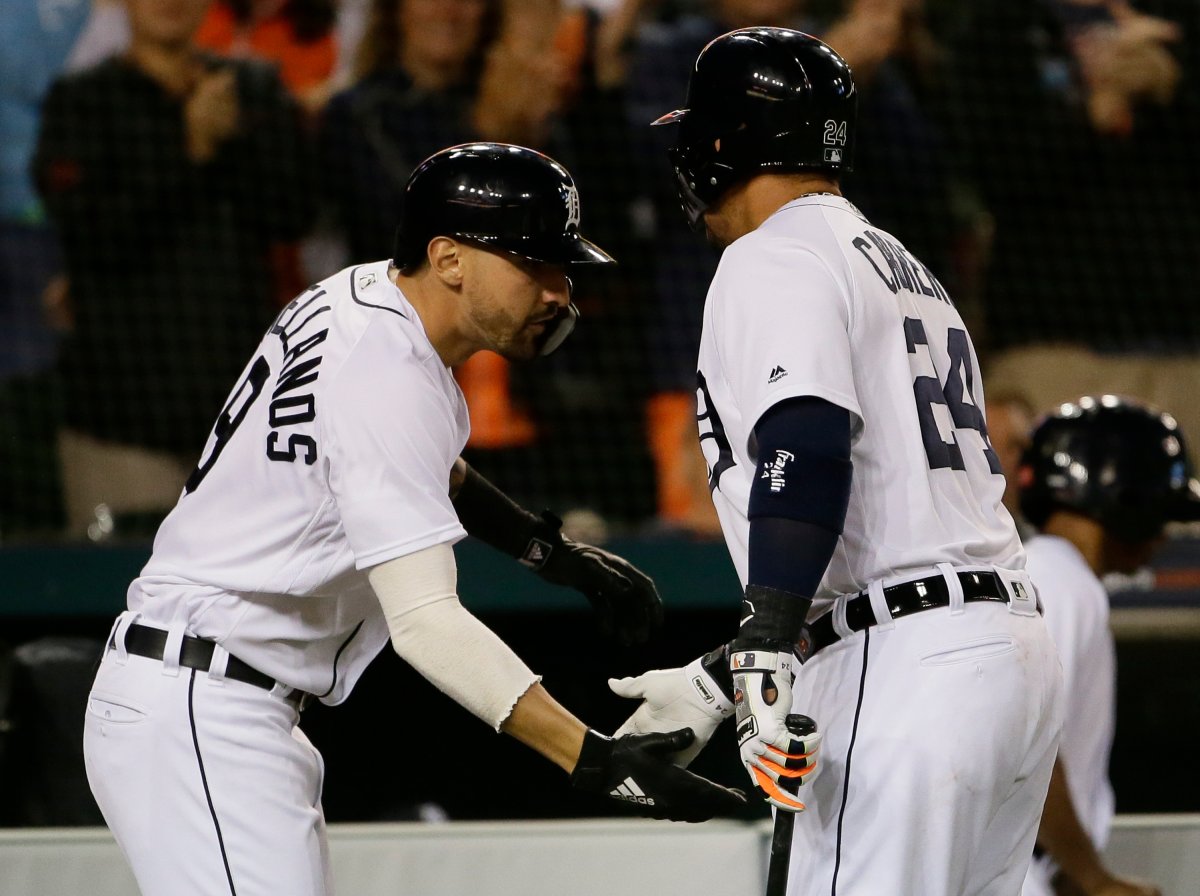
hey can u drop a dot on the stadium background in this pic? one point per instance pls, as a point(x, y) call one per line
point(1036, 154)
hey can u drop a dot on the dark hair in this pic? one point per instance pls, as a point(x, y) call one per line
point(311, 20)
point(379, 48)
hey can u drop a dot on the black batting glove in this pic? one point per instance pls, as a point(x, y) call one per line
point(624, 597)
point(636, 769)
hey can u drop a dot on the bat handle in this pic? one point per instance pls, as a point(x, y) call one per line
point(781, 853)
point(781, 832)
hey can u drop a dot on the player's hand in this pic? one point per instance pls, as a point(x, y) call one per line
point(211, 113)
point(636, 770)
point(778, 747)
point(622, 595)
point(672, 699)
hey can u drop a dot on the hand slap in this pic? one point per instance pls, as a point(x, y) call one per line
point(636, 770)
point(673, 699)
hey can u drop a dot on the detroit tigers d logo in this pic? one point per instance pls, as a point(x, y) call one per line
point(571, 197)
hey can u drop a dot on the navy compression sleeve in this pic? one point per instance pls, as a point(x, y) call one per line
point(799, 496)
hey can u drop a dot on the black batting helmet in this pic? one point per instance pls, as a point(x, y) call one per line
point(498, 195)
point(1115, 461)
point(761, 99)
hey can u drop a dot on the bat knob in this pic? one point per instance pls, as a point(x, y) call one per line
point(800, 725)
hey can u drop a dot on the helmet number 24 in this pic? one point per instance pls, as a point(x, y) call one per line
point(835, 133)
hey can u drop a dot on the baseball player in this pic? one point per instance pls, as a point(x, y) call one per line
point(1100, 480)
point(318, 524)
point(841, 416)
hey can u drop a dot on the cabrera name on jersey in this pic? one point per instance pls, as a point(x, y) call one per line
point(819, 302)
point(331, 455)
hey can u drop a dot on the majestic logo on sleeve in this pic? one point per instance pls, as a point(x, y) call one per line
point(777, 373)
point(572, 200)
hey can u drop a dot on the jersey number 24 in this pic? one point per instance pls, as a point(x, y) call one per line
point(960, 384)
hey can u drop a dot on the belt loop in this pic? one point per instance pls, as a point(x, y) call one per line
point(216, 669)
point(1024, 599)
point(172, 649)
point(953, 588)
point(840, 625)
point(120, 629)
point(884, 621)
point(281, 690)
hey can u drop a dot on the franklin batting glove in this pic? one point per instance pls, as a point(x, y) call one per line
point(778, 747)
point(691, 697)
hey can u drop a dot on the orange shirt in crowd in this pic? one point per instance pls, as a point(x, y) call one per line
point(302, 66)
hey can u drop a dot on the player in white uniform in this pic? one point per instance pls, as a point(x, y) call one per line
point(1101, 479)
point(319, 523)
point(841, 415)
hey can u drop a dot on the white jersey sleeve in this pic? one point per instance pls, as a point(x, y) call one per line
point(391, 444)
point(766, 359)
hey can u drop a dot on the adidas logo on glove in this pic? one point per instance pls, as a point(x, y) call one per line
point(628, 790)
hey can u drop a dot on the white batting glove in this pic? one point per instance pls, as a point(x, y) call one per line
point(778, 747)
point(675, 698)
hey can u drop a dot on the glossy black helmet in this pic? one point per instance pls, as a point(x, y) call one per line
point(1113, 460)
point(761, 99)
point(502, 196)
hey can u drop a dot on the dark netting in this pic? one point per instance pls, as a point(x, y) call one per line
point(1035, 154)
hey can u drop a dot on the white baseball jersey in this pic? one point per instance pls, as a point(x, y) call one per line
point(332, 455)
point(818, 302)
point(1076, 613)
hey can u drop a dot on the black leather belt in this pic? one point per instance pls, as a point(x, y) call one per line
point(197, 653)
point(902, 600)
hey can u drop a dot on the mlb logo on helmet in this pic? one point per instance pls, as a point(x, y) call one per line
point(833, 155)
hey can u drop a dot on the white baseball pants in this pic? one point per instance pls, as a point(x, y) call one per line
point(208, 785)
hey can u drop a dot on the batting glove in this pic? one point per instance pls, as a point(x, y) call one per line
point(635, 770)
point(689, 697)
point(778, 747)
point(623, 596)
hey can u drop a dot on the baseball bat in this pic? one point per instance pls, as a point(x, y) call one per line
point(785, 822)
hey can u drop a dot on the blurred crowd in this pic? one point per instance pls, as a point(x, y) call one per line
point(173, 171)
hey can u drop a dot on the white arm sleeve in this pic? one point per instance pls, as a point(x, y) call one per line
point(436, 635)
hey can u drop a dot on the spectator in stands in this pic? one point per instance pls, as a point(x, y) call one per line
point(1059, 107)
point(168, 173)
point(296, 35)
point(434, 73)
point(1100, 481)
point(37, 43)
point(906, 186)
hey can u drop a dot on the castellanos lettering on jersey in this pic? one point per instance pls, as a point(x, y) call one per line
point(300, 332)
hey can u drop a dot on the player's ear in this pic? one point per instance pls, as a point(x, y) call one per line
point(445, 260)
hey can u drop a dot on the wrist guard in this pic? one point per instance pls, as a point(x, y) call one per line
point(495, 519)
point(771, 619)
point(716, 664)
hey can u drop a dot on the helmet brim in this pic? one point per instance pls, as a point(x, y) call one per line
point(570, 248)
point(577, 250)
